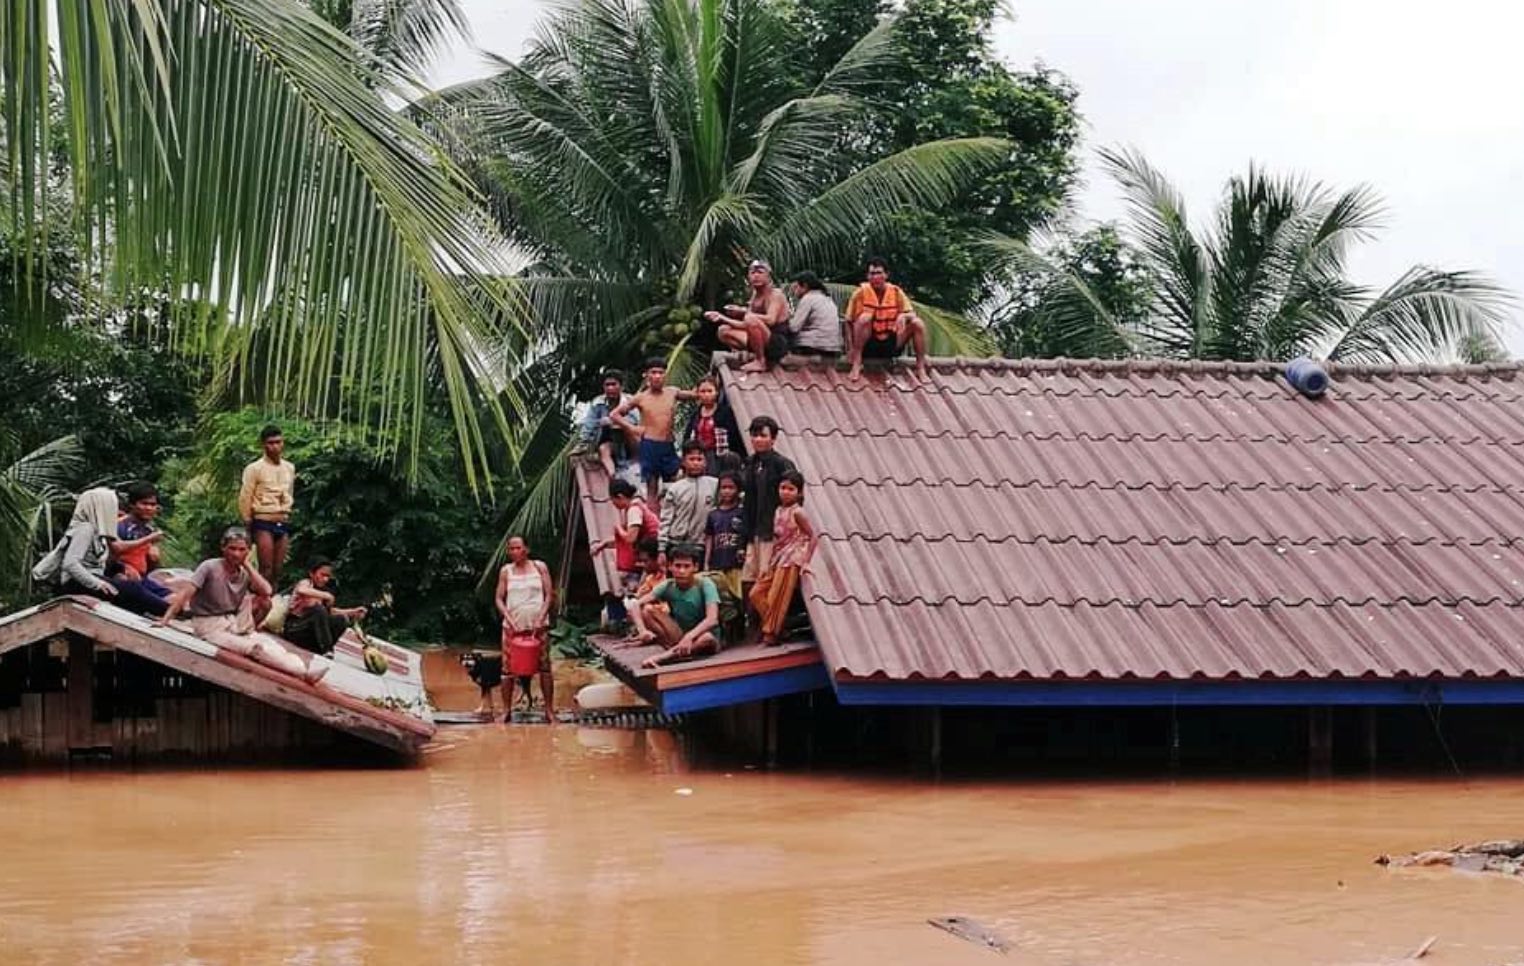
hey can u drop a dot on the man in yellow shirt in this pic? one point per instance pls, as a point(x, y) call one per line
point(264, 502)
point(881, 321)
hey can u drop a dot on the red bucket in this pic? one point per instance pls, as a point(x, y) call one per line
point(524, 652)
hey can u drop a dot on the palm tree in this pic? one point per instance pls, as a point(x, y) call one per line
point(30, 484)
point(237, 159)
point(642, 150)
point(402, 36)
point(1268, 280)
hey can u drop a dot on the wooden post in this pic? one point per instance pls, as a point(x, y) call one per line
point(934, 751)
point(81, 692)
point(1320, 739)
point(770, 730)
point(1174, 741)
point(1371, 745)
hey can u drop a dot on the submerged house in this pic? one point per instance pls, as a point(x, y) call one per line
point(1087, 534)
point(81, 678)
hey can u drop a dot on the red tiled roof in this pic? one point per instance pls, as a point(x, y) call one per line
point(1043, 519)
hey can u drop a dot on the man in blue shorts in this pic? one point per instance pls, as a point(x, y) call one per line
point(657, 404)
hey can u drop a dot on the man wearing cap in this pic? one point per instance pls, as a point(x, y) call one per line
point(750, 327)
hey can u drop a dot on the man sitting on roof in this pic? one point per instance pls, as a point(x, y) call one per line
point(614, 445)
point(690, 628)
point(883, 321)
point(760, 326)
point(219, 596)
point(815, 327)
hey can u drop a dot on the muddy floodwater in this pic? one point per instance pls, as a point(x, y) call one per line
point(565, 845)
point(535, 844)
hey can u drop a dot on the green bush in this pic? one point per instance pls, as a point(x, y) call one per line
point(412, 553)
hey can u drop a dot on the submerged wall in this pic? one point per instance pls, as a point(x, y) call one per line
point(71, 699)
point(815, 731)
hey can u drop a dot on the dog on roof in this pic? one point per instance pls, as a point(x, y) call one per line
point(486, 669)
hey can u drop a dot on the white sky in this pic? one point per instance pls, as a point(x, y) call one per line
point(1425, 103)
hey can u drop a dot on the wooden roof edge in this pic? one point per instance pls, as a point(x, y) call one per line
point(390, 729)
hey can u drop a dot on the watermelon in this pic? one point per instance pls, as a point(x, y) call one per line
point(375, 661)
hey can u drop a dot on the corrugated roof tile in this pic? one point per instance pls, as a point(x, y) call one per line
point(1058, 518)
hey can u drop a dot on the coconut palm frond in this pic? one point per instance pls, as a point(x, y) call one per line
point(831, 227)
point(240, 155)
point(1425, 314)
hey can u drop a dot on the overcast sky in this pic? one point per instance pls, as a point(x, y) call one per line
point(1424, 102)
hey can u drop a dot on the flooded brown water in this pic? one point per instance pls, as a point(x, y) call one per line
point(535, 844)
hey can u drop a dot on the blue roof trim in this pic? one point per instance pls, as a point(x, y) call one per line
point(753, 687)
point(1056, 694)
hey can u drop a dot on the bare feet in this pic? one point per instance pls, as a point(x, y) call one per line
point(855, 373)
point(769, 640)
point(754, 366)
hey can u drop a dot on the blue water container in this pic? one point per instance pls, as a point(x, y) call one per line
point(1307, 376)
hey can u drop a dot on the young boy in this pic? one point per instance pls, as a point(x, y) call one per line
point(614, 445)
point(759, 482)
point(264, 503)
point(657, 405)
point(634, 522)
point(136, 550)
point(652, 570)
point(725, 535)
point(686, 503)
point(690, 628)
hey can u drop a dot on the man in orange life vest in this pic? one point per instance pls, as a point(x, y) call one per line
point(882, 321)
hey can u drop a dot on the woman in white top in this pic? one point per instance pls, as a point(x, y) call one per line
point(524, 597)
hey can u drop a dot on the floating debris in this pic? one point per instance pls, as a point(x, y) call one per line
point(972, 931)
point(1503, 856)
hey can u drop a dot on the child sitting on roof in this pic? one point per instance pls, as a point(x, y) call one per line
point(691, 628)
point(219, 596)
point(794, 540)
point(81, 561)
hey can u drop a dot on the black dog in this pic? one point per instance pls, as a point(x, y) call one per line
point(486, 669)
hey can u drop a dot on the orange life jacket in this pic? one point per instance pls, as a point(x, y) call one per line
point(886, 309)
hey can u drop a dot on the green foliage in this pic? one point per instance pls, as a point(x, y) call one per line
point(33, 486)
point(241, 156)
point(947, 82)
point(570, 641)
point(416, 550)
point(87, 370)
point(1267, 279)
point(1055, 298)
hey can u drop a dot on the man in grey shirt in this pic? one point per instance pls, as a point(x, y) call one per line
point(815, 327)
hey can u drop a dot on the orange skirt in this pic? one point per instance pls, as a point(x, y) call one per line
point(771, 597)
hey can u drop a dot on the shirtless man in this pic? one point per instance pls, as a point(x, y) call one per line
point(748, 327)
point(882, 321)
point(657, 404)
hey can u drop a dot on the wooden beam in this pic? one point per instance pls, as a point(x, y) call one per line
point(22, 629)
point(683, 678)
point(81, 692)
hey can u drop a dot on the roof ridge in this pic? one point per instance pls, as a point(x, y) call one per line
point(1165, 367)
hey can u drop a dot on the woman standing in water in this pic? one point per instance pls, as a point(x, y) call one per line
point(524, 597)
